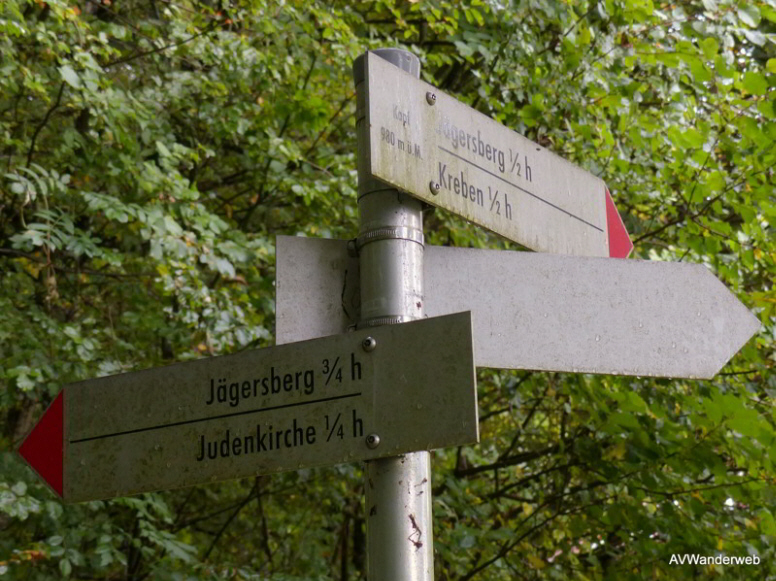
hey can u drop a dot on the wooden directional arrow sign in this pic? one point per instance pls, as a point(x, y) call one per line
point(538, 311)
point(324, 401)
point(438, 149)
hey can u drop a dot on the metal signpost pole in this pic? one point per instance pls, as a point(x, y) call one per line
point(390, 243)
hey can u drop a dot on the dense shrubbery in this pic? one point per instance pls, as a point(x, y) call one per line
point(152, 150)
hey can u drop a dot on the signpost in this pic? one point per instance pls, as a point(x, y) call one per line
point(444, 152)
point(399, 534)
point(345, 398)
point(538, 311)
point(372, 394)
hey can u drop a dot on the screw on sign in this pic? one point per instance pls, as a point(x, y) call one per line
point(373, 440)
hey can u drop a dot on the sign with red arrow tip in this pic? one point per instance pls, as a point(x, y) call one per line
point(44, 446)
point(345, 398)
point(438, 149)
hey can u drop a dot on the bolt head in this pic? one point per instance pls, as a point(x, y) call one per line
point(434, 187)
point(369, 344)
point(430, 98)
point(372, 441)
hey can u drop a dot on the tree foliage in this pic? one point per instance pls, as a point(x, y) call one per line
point(151, 151)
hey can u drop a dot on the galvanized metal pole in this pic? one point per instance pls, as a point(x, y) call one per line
point(398, 490)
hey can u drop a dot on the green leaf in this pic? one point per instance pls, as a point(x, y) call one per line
point(65, 567)
point(754, 36)
point(749, 14)
point(767, 108)
point(699, 70)
point(746, 422)
point(162, 149)
point(755, 83)
point(771, 65)
point(627, 420)
point(710, 47)
point(70, 76)
point(694, 137)
point(668, 58)
point(634, 402)
point(767, 524)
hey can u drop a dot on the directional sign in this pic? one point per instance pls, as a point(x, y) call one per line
point(324, 401)
point(540, 311)
point(438, 149)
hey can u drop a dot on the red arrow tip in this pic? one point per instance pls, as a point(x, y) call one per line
point(620, 244)
point(44, 446)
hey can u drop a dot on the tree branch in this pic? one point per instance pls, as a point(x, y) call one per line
point(219, 534)
point(43, 123)
point(129, 58)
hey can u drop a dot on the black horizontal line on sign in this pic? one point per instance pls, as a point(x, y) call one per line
point(183, 423)
point(498, 177)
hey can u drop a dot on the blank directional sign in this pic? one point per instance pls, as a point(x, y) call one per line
point(542, 311)
point(338, 399)
point(438, 149)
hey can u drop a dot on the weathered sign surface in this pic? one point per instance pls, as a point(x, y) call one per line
point(539, 311)
point(295, 406)
point(433, 146)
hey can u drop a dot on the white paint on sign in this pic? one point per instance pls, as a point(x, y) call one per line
point(484, 171)
point(549, 312)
